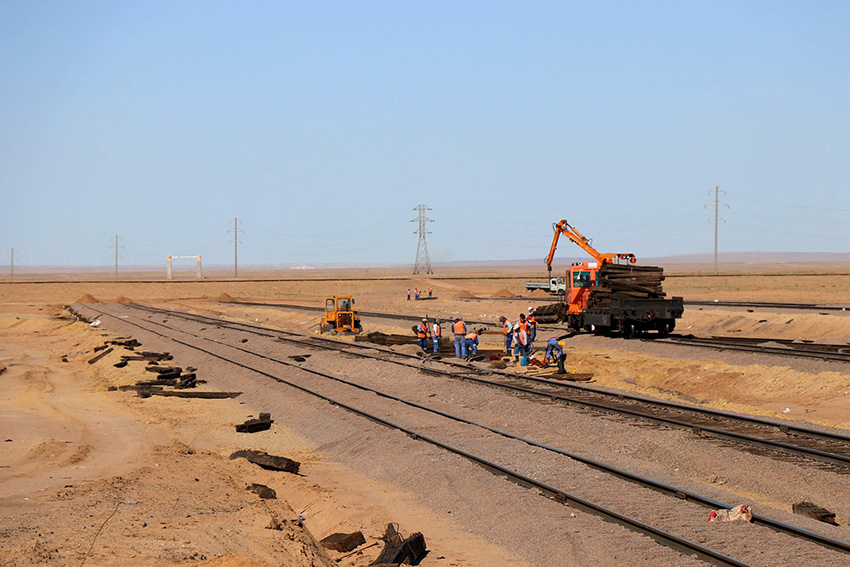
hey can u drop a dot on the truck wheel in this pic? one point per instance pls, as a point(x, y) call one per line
point(629, 331)
point(666, 328)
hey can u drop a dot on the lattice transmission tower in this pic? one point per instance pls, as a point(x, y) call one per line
point(423, 262)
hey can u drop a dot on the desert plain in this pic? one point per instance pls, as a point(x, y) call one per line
point(95, 476)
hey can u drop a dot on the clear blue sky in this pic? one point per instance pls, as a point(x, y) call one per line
point(322, 125)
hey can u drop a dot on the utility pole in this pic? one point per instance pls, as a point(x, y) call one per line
point(423, 262)
point(236, 232)
point(116, 256)
point(717, 220)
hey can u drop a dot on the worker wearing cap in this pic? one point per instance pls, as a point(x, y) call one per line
point(422, 334)
point(552, 346)
point(436, 333)
point(531, 326)
point(521, 336)
point(471, 342)
point(459, 331)
point(508, 330)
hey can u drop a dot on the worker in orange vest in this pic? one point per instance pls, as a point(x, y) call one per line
point(459, 331)
point(436, 333)
point(508, 329)
point(521, 336)
point(422, 334)
point(531, 326)
point(471, 342)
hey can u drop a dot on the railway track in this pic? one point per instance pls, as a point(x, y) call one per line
point(788, 348)
point(213, 347)
point(768, 305)
point(823, 446)
point(780, 347)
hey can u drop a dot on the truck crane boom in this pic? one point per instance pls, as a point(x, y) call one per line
point(563, 227)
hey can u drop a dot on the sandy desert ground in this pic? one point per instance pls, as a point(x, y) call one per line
point(91, 476)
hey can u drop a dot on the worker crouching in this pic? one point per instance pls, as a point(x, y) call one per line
point(471, 343)
point(459, 331)
point(555, 351)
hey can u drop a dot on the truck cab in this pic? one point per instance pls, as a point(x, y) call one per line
point(582, 278)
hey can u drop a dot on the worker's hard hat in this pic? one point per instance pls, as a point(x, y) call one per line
point(516, 326)
point(503, 318)
point(424, 319)
point(458, 318)
point(561, 343)
point(530, 309)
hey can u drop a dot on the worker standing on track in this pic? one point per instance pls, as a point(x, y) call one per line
point(436, 333)
point(531, 325)
point(508, 329)
point(471, 342)
point(459, 331)
point(521, 348)
point(422, 334)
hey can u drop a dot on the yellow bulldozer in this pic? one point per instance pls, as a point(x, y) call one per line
point(340, 317)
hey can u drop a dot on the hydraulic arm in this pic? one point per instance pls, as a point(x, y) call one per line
point(563, 227)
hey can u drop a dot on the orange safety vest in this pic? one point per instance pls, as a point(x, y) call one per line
point(459, 328)
point(521, 336)
point(531, 323)
point(523, 325)
point(508, 328)
point(472, 336)
point(421, 331)
point(438, 330)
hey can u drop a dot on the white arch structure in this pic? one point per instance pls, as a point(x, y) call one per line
point(198, 258)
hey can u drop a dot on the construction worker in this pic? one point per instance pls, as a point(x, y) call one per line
point(553, 345)
point(521, 336)
point(408, 294)
point(471, 342)
point(436, 333)
point(416, 293)
point(430, 291)
point(422, 334)
point(531, 325)
point(508, 329)
point(459, 331)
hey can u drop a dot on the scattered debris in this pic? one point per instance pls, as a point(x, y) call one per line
point(399, 550)
point(262, 490)
point(343, 542)
point(302, 357)
point(741, 512)
point(814, 511)
point(266, 461)
point(257, 424)
point(146, 391)
point(101, 355)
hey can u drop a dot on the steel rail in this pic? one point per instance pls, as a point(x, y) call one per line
point(767, 305)
point(809, 351)
point(784, 428)
point(521, 479)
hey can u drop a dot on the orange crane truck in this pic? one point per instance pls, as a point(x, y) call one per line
point(611, 293)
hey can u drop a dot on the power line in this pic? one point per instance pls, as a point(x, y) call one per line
point(423, 261)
